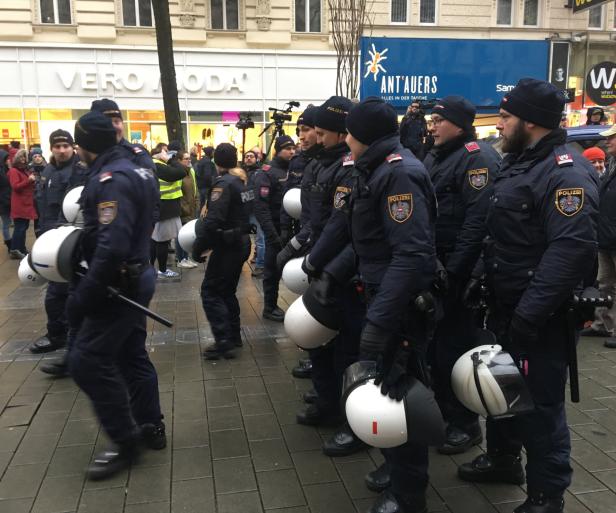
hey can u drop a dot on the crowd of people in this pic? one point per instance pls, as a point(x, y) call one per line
point(413, 240)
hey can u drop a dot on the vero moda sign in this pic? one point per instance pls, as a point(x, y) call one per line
point(401, 70)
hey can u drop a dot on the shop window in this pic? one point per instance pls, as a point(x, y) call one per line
point(399, 11)
point(427, 11)
point(531, 13)
point(595, 17)
point(137, 13)
point(308, 15)
point(56, 11)
point(225, 14)
point(504, 12)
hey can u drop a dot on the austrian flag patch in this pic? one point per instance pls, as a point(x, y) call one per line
point(478, 178)
point(569, 201)
point(107, 211)
point(400, 207)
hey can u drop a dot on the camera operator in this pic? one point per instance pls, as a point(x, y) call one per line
point(413, 129)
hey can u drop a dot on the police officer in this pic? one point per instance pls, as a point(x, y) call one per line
point(542, 225)
point(134, 152)
point(109, 361)
point(269, 182)
point(462, 172)
point(52, 185)
point(393, 211)
point(225, 230)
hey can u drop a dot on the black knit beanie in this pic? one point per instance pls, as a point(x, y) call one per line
point(225, 156)
point(333, 113)
point(371, 119)
point(535, 101)
point(456, 109)
point(94, 132)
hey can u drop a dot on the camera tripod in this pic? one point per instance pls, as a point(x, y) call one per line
point(278, 131)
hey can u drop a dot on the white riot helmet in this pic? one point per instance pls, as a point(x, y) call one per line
point(292, 202)
point(310, 324)
point(488, 382)
point(71, 207)
point(28, 277)
point(383, 422)
point(294, 277)
point(53, 253)
point(187, 236)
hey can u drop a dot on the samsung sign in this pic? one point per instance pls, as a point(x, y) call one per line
point(403, 70)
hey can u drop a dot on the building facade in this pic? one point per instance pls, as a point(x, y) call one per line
point(238, 56)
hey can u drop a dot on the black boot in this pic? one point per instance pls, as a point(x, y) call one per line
point(312, 415)
point(113, 460)
point(273, 314)
point(47, 343)
point(222, 349)
point(460, 440)
point(343, 443)
point(57, 367)
point(154, 436)
point(541, 504)
point(387, 502)
point(503, 468)
point(310, 396)
point(379, 479)
point(303, 369)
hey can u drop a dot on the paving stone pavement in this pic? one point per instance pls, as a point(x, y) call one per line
point(234, 446)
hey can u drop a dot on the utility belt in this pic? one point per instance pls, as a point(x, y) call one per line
point(232, 235)
point(128, 277)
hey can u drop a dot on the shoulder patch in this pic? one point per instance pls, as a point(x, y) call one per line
point(264, 192)
point(266, 167)
point(340, 196)
point(472, 147)
point(564, 159)
point(105, 177)
point(347, 160)
point(107, 211)
point(400, 207)
point(137, 150)
point(216, 193)
point(569, 201)
point(394, 157)
point(478, 178)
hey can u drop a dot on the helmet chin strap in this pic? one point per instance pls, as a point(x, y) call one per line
point(476, 363)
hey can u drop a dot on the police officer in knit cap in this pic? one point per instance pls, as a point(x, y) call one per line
point(225, 230)
point(462, 172)
point(392, 214)
point(54, 182)
point(108, 360)
point(541, 222)
point(268, 187)
point(133, 152)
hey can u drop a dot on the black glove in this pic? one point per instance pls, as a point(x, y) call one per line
point(373, 342)
point(441, 282)
point(285, 235)
point(284, 255)
point(310, 271)
point(522, 334)
point(471, 297)
point(393, 375)
point(324, 288)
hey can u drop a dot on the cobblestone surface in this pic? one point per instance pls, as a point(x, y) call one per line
point(234, 446)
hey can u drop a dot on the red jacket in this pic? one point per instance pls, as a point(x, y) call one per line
point(22, 195)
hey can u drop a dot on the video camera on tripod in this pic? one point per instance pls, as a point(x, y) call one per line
point(279, 116)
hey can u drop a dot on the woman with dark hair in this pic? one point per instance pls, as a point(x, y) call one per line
point(22, 203)
point(5, 199)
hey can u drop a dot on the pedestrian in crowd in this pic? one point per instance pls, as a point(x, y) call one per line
point(109, 360)
point(610, 135)
point(604, 324)
point(5, 199)
point(14, 147)
point(259, 154)
point(188, 208)
point(194, 156)
point(462, 171)
point(134, 152)
point(37, 162)
point(225, 231)
point(250, 167)
point(413, 129)
point(596, 116)
point(541, 225)
point(596, 156)
point(22, 203)
point(205, 173)
point(169, 224)
point(53, 183)
point(269, 181)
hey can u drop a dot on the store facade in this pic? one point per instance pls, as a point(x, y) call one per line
point(45, 88)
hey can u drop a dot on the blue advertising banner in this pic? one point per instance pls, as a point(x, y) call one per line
point(401, 70)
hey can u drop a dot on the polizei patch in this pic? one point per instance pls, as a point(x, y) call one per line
point(478, 178)
point(341, 195)
point(400, 207)
point(107, 211)
point(569, 201)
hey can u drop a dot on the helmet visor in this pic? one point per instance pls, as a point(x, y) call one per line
point(355, 375)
